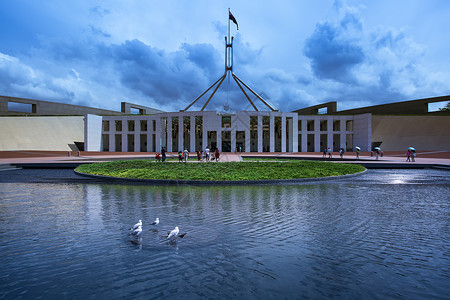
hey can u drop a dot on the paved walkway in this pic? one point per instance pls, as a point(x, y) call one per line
point(72, 158)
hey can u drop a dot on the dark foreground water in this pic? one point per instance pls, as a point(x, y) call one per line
point(382, 235)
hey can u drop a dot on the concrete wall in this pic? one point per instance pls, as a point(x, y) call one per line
point(39, 107)
point(41, 133)
point(421, 132)
point(419, 106)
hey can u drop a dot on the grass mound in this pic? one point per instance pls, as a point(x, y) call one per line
point(234, 171)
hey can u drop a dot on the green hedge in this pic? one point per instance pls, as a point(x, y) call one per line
point(149, 169)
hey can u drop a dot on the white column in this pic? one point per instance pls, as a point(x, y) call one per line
point(180, 133)
point(233, 139)
point(219, 140)
point(124, 135)
point(260, 134)
point(204, 132)
point(112, 135)
point(330, 133)
point(247, 139)
point(293, 135)
point(316, 135)
point(304, 135)
point(342, 134)
point(158, 135)
point(169, 134)
point(272, 133)
point(283, 134)
point(192, 133)
point(137, 140)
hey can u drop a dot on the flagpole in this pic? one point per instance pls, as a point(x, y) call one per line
point(229, 24)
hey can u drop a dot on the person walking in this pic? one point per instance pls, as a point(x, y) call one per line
point(413, 155)
point(408, 155)
point(217, 154)
point(163, 153)
point(329, 153)
point(207, 154)
point(341, 153)
point(324, 153)
point(185, 154)
point(357, 153)
point(180, 156)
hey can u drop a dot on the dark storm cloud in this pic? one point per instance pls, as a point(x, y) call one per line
point(164, 76)
point(332, 53)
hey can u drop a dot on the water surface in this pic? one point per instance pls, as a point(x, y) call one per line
point(381, 235)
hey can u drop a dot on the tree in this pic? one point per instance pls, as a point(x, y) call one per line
point(446, 107)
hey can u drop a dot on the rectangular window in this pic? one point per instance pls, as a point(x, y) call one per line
point(21, 107)
point(187, 133)
point(105, 142)
point(240, 141)
point(118, 140)
point(253, 133)
point(118, 125)
point(174, 133)
point(310, 125)
point(336, 125)
point(323, 125)
point(130, 125)
point(226, 121)
point(143, 125)
point(143, 143)
point(198, 132)
point(266, 134)
point(105, 125)
point(130, 142)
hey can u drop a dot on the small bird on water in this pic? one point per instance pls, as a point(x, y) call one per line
point(136, 225)
point(156, 222)
point(173, 233)
point(137, 231)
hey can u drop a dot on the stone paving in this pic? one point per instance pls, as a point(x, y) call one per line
point(61, 157)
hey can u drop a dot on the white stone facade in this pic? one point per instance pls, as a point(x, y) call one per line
point(245, 131)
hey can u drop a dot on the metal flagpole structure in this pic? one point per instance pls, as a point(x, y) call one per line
point(230, 74)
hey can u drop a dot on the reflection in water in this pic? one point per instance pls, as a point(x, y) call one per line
point(379, 235)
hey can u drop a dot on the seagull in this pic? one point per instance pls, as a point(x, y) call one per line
point(173, 233)
point(137, 231)
point(136, 225)
point(156, 222)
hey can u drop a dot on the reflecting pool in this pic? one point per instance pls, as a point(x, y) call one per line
point(384, 234)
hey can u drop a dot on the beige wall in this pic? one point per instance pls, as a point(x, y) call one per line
point(421, 132)
point(40, 133)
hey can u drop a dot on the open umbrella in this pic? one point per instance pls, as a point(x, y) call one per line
point(377, 148)
point(357, 148)
point(411, 148)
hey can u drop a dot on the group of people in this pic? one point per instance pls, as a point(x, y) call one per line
point(183, 155)
point(411, 155)
point(327, 151)
point(205, 155)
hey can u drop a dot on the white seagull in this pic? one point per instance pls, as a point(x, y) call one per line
point(156, 222)
point(173, 233)
point(136, 225)
point(137, 231)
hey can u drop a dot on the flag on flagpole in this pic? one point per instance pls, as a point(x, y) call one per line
point(234, 20)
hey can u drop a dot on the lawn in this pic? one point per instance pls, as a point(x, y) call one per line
point(212, 171)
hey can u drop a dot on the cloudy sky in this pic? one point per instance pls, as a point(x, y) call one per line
point(164, 54)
